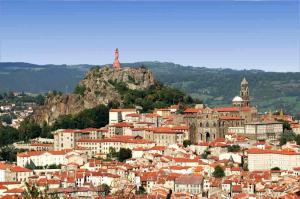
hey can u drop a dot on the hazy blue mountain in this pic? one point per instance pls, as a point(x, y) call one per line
point(215, 86)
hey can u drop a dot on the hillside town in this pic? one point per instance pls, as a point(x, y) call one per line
point(15, 107)
point(171, 152)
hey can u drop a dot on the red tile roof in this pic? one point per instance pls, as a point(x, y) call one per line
point(230, 118)
point(226, 109)
point(38, 153)
point(269, 151)
point(133, 115)
point(122, 124)
point(164, 130)
point(123, 110)
point(19, 169)
point(193, 110)
point(15, 190)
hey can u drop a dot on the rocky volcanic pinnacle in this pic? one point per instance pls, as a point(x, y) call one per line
point(97, 88)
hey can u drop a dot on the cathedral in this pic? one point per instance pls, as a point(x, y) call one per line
point(244, 99)
point(207, 124)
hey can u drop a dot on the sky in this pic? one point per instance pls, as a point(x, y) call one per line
point(219, 34)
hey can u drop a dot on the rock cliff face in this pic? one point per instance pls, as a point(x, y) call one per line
point(98, 87)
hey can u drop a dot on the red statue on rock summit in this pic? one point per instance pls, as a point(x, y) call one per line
point(116, 63)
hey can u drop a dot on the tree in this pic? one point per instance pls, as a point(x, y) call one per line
point(30, 165)
point(112, 153)
point(233, 148)
point(29, 129)
point(80, 89)
point(124, 154)
point(95, 117)
point(286, 125)
point(31, 192)
point(205, 154)
point(275, 169)
point(169, 194)
point(46, 131)
point(8, 135)
point(8, 153)
point(187, 143)
point(297, 139)
point(54, 166)
point(141, 190)
point(6, 118)
point(40, 99)
point(218, 172)
point(105, 189)
point(287, 136)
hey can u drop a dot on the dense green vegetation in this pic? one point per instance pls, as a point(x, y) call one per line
point(205, 154)
point(275, 169)
point(286, 125)
point(157, 96)
point(105, 189)
point(141, 190)
point(287, 136)
point(121, 155)
point(124, 154)
point(233, 148)
point(9, 135)
point(218, 172)
point(187, 143)
point(214, 86)
point(79, 89)
point(96, 117)
point(32, 191)
point(9, 153)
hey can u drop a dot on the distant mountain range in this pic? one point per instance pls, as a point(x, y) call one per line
point(268, 90)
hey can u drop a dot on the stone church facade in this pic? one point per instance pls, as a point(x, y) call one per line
point(207, 124)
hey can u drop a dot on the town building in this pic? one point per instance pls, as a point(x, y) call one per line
point(47, 158)
point(66, 138)
point(266, 159)
point(189, 183)
point(119, 115)
point(263, 130)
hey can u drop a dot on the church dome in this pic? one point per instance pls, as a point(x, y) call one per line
point(237, 99)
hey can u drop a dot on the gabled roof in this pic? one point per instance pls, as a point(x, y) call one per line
point(193, 110)
point(227, 109)
point(123, 110)
point(189, 179)
point(19, 169)
point(269, 151)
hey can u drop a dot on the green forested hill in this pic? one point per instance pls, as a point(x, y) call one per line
point(215, 86)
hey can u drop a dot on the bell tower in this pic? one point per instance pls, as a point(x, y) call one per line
point(244, 93)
